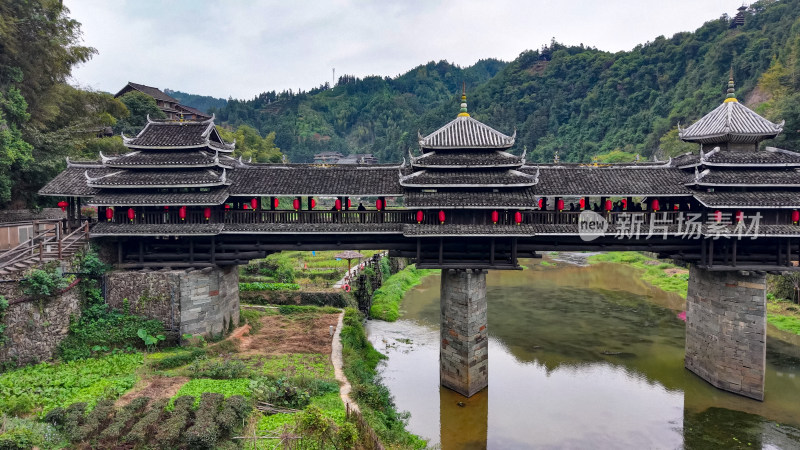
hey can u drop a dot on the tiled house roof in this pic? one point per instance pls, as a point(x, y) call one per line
point(466, 133)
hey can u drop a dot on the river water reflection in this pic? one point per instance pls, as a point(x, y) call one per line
point(581, 357)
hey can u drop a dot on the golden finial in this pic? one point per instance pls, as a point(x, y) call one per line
point(463, 112)
point(731, 97)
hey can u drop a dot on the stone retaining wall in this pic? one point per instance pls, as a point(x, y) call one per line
point(187, 301)
point(33, 329)
point(726, 330)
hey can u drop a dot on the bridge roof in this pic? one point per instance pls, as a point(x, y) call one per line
point(516, 198)
point(616, 181)
point(742, 178)
point(171, 135)
point(468, 179)
point(161, 229)
point(216, 196)
point(455, 159)
point(731, 122)
point(123, 178)
point(169, 159)
point(769, 157)
point(750, 199)
point(72, 181)
point(311, 180)
point(464, 132)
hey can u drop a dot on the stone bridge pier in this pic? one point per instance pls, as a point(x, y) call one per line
point(726, 329)
point(463, 354)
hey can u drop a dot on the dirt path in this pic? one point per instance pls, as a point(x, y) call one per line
point(338, 366)
point(155, 388)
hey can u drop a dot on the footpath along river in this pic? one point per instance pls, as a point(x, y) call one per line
point(581, 357)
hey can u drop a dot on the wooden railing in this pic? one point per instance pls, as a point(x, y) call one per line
point(40, 245)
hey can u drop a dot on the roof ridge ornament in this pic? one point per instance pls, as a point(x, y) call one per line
point(224, 177)
point(524, 152)
point(731, 97)
point(125, 139)
point(463, 112)
point(104, 158)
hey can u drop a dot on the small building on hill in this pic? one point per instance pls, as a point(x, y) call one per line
point(169, 105)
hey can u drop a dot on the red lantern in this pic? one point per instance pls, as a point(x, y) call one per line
point(313, 203)
point(182, 212)
point(338, 204)
point(166, 208)
point(582, 202)
point(275, 202)
point(349, 204)
point(655, 205)
point(131, 214)
point(254, 203)
point(740, 215)
point(227, 206)
point(676, 206)
point(560, 204)
point(245, 206)
point(518, 217)
point(379, 204)
point(541, 202)
point(296, 204)
point(718, 215)
point(625, 203)
point(609, 205)
point(207, 213)
point(63, 205)
point(495, 216)
point(795, 216)
point(420, 216)
point(109, 214)
point(441, 216)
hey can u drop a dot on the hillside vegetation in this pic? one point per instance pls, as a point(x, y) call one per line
point(582, 103)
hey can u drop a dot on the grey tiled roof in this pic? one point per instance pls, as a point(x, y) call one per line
point(517, 198)
point(27, 215)
point(158, 178)
point(134, 229)
point(467, 178)
point(187, 158)
point(611, 181)
point(733, 122)
point(749, 199)
point(466, 159)
point(770, 157)
point(312, 228)
point(466, 132)
point(156, 93)
point(739, 177)
point(172, 134)
point(72, 182)
point(302, 179)
point(140, 197)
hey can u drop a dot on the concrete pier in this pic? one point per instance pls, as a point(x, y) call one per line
point(726, 330)
point(463, 355)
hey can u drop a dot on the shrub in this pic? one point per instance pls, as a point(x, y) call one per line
point(42, 283)
point(205, 432)
point(170, 431)
point(96, 420)
point(145, 426)
point(73, 417)
point(280, 392)
point(107, 329)
point(386, 299)
point(219, 369)
point(177, 360)
point(124, 417)
point(17, 433)
point(259, 286)
point(227, 388)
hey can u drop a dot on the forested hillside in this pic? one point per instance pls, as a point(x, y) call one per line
point(201, 102)
point(583, 102)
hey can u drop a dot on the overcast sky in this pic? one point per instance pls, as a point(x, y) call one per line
point(240, 48)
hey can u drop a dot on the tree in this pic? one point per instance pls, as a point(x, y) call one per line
point(139, 106)
point(250, 144)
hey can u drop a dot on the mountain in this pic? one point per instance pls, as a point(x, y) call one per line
point(204, 103)
point(579, 101)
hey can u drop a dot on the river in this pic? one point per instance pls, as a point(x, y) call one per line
point(581, 357)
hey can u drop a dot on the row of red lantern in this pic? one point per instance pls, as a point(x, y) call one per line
point(420, 216)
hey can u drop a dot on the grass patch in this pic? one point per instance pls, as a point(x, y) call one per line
point(45, 386)
point(196, 387)
point(546, 263)
point(309, 365)
point(377, 406)
point(653, 272)
point(386, 300)
point(785, 323)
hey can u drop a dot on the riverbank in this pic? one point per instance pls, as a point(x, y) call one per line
point(783, 314)
point(386, 299)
